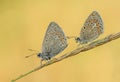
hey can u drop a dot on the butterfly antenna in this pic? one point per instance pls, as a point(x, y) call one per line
point(30, 55)
point(69, 37)
point(33, 50)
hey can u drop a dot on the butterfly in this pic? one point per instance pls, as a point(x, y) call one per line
point(92, 28)
point(54, 42)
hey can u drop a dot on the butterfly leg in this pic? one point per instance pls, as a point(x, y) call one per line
point(78, 45)
point(55, 59)
point(41, 62)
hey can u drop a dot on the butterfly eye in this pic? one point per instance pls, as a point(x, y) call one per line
point(84, 27)
point(39, 55)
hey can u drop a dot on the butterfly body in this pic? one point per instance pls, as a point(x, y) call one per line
point(54, 42)
point(92, 28)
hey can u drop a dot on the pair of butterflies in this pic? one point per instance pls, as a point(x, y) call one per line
point(55, 40)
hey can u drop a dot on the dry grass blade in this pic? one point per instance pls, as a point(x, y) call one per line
point(74, 52)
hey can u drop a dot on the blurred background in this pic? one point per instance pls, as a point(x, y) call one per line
point(23, 24)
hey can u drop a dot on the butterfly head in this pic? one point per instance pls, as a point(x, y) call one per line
point(77, 39)
point(39, 55)
point(44, 56)
point(80, 40)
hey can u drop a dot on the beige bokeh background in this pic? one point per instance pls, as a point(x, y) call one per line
point(23, 24)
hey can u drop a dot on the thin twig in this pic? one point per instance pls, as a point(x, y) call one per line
point(72, 53)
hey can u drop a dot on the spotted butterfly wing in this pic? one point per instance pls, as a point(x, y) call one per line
point(54, 41)
point(92, 28)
